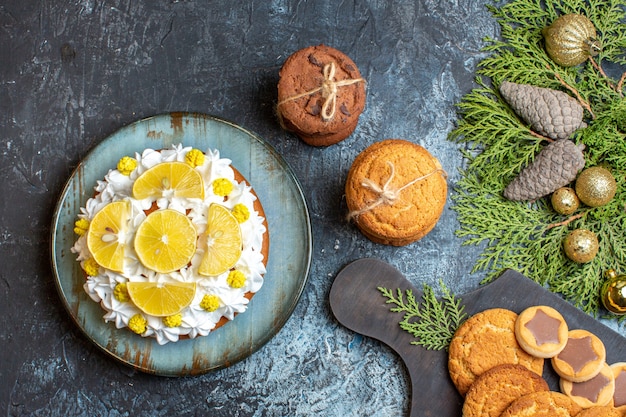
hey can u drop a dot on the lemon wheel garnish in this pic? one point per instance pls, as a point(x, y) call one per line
point(165, 241)
point(169, 179)
point(223, 240)
point(107, 235)
point(161, 299)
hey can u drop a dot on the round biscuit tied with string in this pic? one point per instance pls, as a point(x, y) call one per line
point(395, 192)
point(329, 89)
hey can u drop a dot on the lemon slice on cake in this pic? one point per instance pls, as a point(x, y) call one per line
point(165, 241)
point(169, 179)
point(107, 235)
point(223, 240)
point(161, 299)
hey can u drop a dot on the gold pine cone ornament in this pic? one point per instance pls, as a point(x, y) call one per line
point(571, 39)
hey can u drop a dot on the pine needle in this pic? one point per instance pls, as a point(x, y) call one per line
point(431, 322)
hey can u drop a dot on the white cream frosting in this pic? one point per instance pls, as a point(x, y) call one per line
point(196, 321)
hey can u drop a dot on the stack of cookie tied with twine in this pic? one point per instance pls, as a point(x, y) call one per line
point(321, 95)
point(395, 190)
point(496, 360)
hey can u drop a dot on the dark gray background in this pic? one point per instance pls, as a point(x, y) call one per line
point(73, 72)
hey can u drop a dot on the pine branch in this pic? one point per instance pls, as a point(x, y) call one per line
point(526, 236)
point(431, 322)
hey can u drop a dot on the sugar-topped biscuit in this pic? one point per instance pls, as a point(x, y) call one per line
point(485, 340)
point(600, 411)
point(395, 192)
point(542, 404)
point(496, 389)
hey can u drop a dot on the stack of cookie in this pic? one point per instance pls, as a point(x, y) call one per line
point(321, 95)
point(496, 363)
point(396, 190)
point(585, 375)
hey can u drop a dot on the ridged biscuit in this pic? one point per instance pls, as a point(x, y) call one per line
point(598, 390)
point(598, 411)
point(542, 404)
point(395, 192)
point(582, 358)
point(301, 99)
point(485, 340)
point(496, 389)
point(541, 331)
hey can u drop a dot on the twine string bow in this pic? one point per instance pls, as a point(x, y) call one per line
point(329, 89)
point(387, 194)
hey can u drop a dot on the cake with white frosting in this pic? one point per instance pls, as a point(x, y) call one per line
point(206, 296)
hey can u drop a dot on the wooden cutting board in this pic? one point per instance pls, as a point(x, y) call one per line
point(357, 304)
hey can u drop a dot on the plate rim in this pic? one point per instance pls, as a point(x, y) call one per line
point(277, 324)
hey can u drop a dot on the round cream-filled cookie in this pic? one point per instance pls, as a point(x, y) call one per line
point(619, 397)
point(598, 390)
point(541, 331)
point(582, 358)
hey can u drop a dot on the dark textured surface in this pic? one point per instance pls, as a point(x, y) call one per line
point(73, 72)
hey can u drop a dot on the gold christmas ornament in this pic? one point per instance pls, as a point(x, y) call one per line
point(565, 201)
point(595, 186)
point(581, 245)
point(571, 39)
point(613, 293)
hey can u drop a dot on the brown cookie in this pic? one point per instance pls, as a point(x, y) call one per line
point(493, 391)
point(598, 390)
point(541, 331)
point(542, 404)
point(598, 411)
point(329, 139)
point(582, 358)
point(395, 192)
point(485, 340)
point(321, 95)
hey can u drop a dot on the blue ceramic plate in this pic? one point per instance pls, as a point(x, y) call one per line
point(288, 261)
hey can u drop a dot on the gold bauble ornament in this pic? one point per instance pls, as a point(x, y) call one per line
point(581, 245)
point(613, 293)
point(565, 201)
point(596, 186)
point(571, 39)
